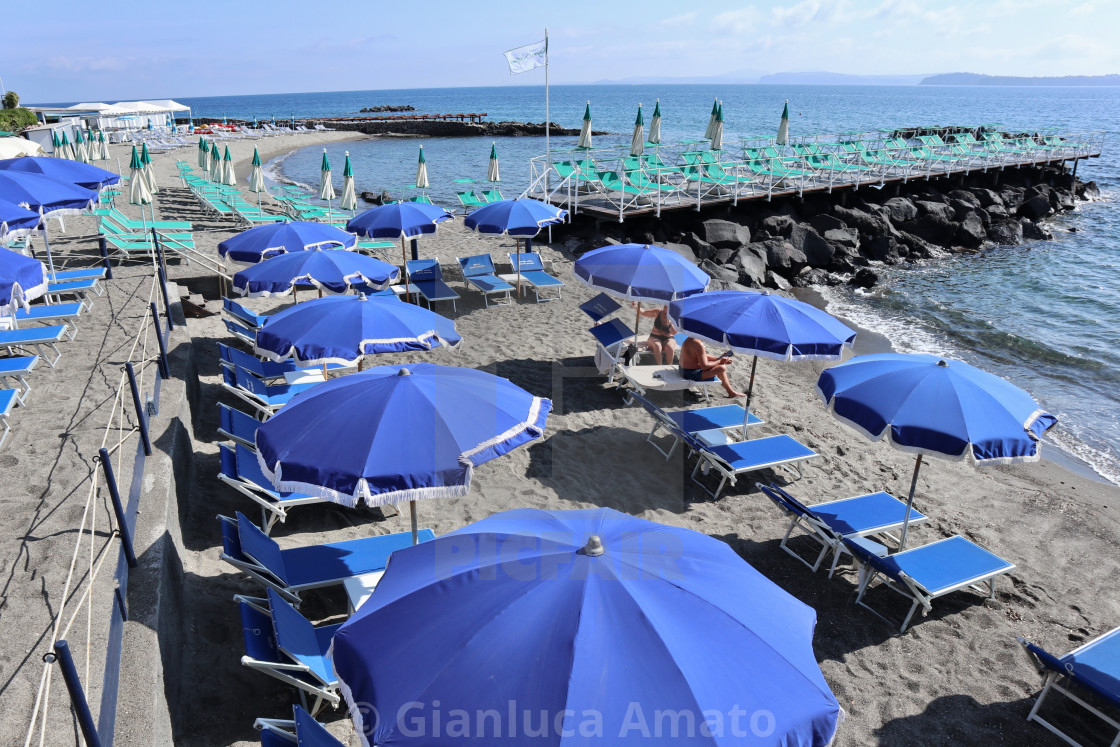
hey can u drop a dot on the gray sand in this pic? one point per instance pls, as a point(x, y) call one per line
point(957, 676)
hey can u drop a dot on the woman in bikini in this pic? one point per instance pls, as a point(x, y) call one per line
point(660, 341)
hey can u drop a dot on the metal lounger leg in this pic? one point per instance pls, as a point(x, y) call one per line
point(7, 428)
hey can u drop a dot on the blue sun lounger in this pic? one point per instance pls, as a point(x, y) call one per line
point(533, 273)
point(600, 307)
point(295, 569)
point(37, 338)
point(53, 313)
point(95, 274)
point(1095, 667)
point(264, 370)
point(240, 470)
point(302, 730)
point(7, 400)
point(281, 643)
point(237, 426)
point(925, 573)
point(734, 459)
point(830, 523)
point(17, 368)
point(426, 276)
point(478, 271)
point(241, 333)
point(242, 315)
point(265, 398)
point(79, 288)
point(682, 424)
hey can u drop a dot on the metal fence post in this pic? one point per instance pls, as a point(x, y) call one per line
point(141, 416)
point(104, 245)
point(77, 695)
point(118, 507)
point(164, 369)
point(166, 298)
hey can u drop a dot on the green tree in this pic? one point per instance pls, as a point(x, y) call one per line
point(11, 100)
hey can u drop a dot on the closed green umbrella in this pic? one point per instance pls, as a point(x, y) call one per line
point(57, 143)
point(585, 129)
point(349, 199)
point(138, 193)
point(80, 153)
point(712, 120)
point(149, 172)
point(492, 174)
point(717, 131)
point(326, 187)
point(203, 153)
point(422, 171)
point(104, 145)
point(256, 177)
point(229, 178)
point(638, 141)
point(655, 124)
point(215, 163)
point(783, 127)
point(67, 151)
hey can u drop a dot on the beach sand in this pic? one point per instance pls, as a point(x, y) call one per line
point(957, 676)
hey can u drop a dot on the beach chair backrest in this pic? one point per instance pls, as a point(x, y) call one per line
point(480, 264)
point(256, 629)
point(600, 306)
point(527, 261)
point(492, 195)
point(780, 498)
point(311, 733)
point(249, 469)
point(231, 541)
point(238, 358)
point(295, 636)
point(239, 330)
point(228, 461)
point(260, 547)
point(424, 269)
point(611, 332)
point(251, 383)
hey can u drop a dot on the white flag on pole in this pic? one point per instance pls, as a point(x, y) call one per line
point(524, 59)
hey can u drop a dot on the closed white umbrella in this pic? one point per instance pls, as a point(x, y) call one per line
point(67, 151)
point(492, 172)
point(585, 130)
point(203, 153)
point(80, 153)
point(104, 145)
point(214, 163)
point(422, 171)
point(149, 172)
point(326, 187)
point(229, 178)
point(638, 141)
point(256, 177)
point(717, 131)
point(138, 192)
point(712, 120)
point(349, 199)
point(783, 127)
point(17, 147)
point(655, 124)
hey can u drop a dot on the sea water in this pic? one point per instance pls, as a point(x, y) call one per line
point(1045, 314)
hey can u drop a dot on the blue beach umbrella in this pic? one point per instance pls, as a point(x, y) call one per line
point(396, 433)
point(583, 622)
point(401, 220)
point(72, 172)
point(640, 272)
point(933, 406)
point(45, 196)
point(22, 279)
point(762, 324)
point(17, 220)
point(343, 329)
point(521, 218)
point(329, 270)
point(261, 242)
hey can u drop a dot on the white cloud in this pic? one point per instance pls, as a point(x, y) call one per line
point(684, 19)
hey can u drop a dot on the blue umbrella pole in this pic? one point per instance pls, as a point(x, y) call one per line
point(910, 503)
point(404, 268)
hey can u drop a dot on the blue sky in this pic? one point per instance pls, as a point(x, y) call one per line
point(66, 50)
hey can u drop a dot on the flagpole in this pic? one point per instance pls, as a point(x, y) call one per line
point(547, 145)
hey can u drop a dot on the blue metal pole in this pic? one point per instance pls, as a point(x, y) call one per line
point(164, 369)
point(166, 298)
point(104, 246)
point(141, 416)
point(77, 695)
point(118, 507)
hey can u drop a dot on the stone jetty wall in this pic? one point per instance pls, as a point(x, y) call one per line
point(448, 128)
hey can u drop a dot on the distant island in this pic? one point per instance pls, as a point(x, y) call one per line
point(976, 79)
point(822, 78)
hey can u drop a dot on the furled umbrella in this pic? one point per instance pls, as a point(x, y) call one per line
point(329, 270)
point(56, 143)
point(138, 192)
point(326, 187)
point(349, 200)
point(104, 145)
point(203, 154)
point(422, 171)
point(783, 126)
point(259, 243)
point(655, 125)
point(256, 177)
point(584, 622)
point(396, 433)
point(640, 272)
point(717, 131)
point(229, 177)
point(149, 170)
point(400, 220)
point(67, 151)
point(215, 164)
point(81, 155)
point(762, 324)
point(22, 280)
point(638, 141)
point(585, 129)
point(45, 196)
point(712, 120)
point(344, 329)
point(932, 406)
point(522, 219)
point(492, 173)
point(82, 175)
point(17, 147)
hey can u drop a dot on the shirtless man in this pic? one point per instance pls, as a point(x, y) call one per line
point(660, 342)
point(697, 365)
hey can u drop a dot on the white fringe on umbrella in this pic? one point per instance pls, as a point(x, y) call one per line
point(306, 280)
point(424, 338)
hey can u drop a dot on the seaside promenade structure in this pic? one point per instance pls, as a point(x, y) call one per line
point(614, 183)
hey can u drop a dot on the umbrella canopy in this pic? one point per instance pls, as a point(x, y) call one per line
point(326, 188)
point(81, 155)
point(655, 124)
point(717, 131)
point(22, 279)
point(520, 218)
point(349, 199)
point(712, 120)
point(492, 174)
point(329, 270)
point(398, 220)
point(932, 406)
point(138, 192)
point(396, 433)
point(783, 126)
point(571, 619)
point(72, 172)
point(585, 129)
point(15, 147)
point(203, 153)
point(43, 194)
point(422, 171)
point(342, 329)
point(638, 141)
point(17, 220)
point(229, 178)
point(256, 174)
point(640, 272)
point(261, 242)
